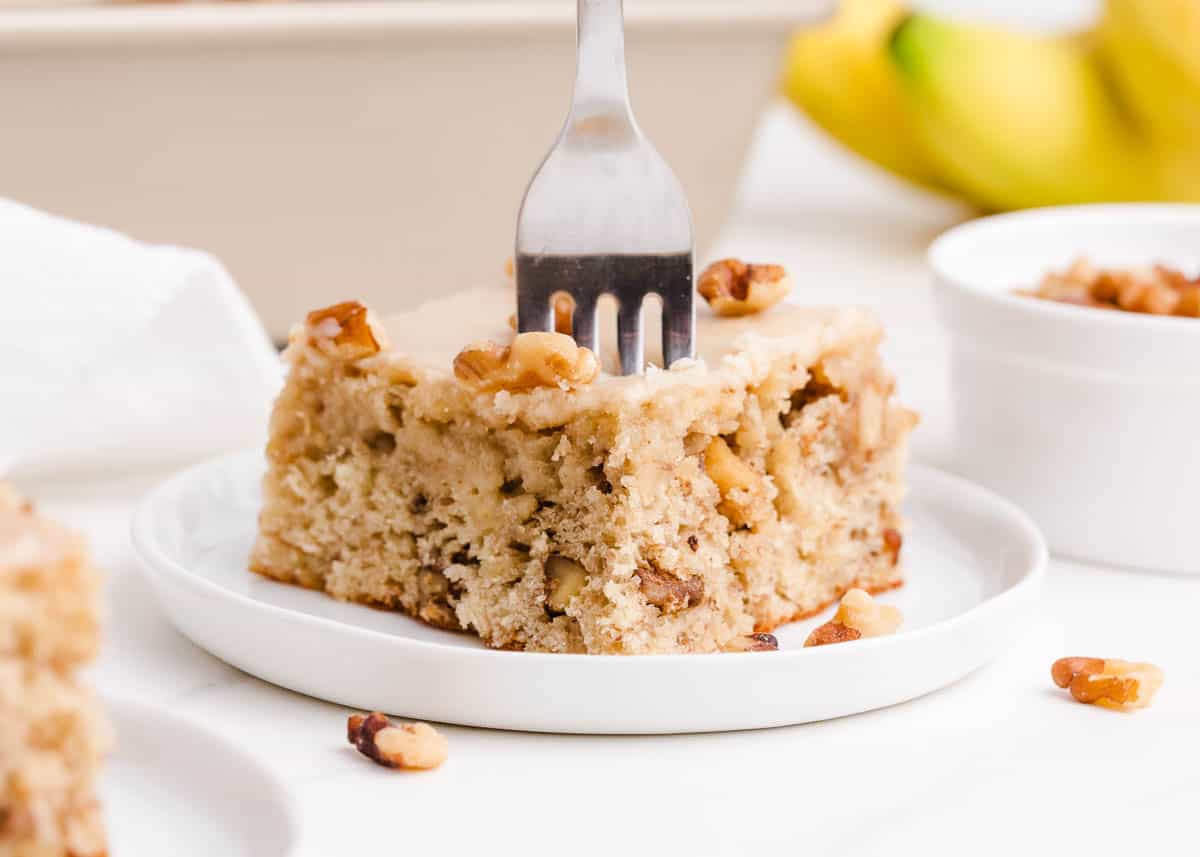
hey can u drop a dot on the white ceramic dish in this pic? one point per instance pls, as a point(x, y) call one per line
point(1087, 419)
point(172, 787)
point(374, 150)
point(976, 563)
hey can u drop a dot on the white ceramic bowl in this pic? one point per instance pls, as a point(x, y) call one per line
point(375, 150)
point(1089, 419)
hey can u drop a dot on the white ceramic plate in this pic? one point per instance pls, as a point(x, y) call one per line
point(975, 564)
point(172, 787)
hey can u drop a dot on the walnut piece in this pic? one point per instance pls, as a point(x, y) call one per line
point(1189, 302)
point(409, 745)
point(832, 632)
point(478, 363)
point(892, 542)
point(1156, 290)
point(733, 288)
point(738, 482)
point(859, 615)
point(1109, 683)
point(752, 643)
point(533, 360)
point(347, 326)
point(435, 592)
point(668, 592)
point(564, 580)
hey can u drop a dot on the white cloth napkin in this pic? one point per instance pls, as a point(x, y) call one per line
point(117, 355)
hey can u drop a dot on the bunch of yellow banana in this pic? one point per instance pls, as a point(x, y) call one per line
point(1006, 119)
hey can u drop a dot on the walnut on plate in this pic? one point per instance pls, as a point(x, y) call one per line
point(734, 288)
point(859, 615)
point(535, 359)
point(410, 745)
point(1109, 683)
point(752, 643)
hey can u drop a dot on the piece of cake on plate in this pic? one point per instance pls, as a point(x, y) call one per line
point(512, 490)
point(52, 731)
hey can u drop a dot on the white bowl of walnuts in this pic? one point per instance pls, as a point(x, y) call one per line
point(1075, 372)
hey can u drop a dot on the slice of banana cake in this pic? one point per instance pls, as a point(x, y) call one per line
point(515, 490)
point(53, 734)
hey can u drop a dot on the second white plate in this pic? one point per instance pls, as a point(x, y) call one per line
point(974, 565)
point(174, 787)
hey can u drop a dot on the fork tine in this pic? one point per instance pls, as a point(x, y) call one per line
point(678, 321)
point(629, 336)
point(583, 321)
point(603, 213)
point(534, 310)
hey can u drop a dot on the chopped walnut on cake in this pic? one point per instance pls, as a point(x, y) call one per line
point(516, 490)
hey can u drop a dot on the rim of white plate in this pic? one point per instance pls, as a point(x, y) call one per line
point(116, 703)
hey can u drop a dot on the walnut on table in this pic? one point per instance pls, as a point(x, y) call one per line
point(734, 288)
point(1110, 683)
point(416, 746)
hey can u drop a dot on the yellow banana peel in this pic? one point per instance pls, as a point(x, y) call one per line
point(1158, 85)
point(1006, 119)
point(841, 77)
point(1014, 120)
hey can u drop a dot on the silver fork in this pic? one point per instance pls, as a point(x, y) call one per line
point(604, 214)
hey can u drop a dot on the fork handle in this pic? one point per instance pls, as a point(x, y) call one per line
point(600, 84)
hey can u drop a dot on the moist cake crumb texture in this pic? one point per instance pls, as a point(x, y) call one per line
point(672, 512)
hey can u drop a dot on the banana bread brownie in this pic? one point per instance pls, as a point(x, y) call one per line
point(52, 732)
point(527, 498)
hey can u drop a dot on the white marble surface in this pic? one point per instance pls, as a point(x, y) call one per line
point(1000, 763)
